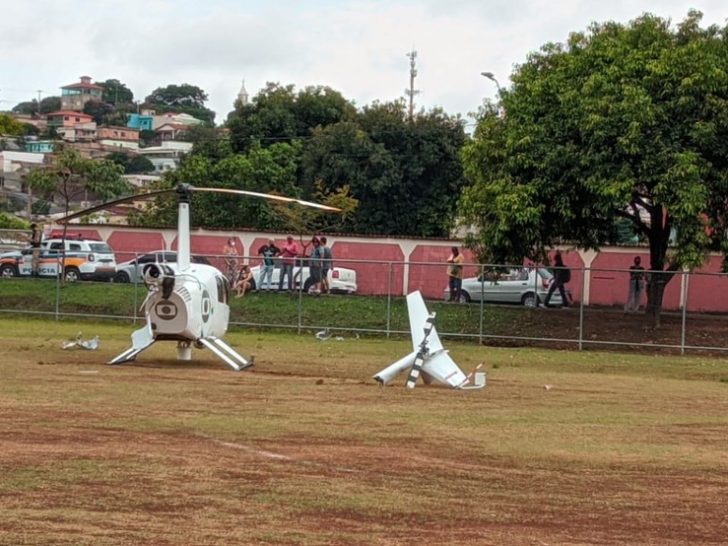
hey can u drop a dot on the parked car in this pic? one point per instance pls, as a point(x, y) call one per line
point(132, 270)
point(85, 259)
point(341, 280)
point(522, 285)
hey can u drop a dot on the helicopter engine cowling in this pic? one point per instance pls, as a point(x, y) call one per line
point(160, 275)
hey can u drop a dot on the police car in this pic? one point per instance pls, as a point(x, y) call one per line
point(85, 259)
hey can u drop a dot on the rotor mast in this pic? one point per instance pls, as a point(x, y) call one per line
point(183, 226)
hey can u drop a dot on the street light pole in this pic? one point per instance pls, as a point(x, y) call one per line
point(492, 77)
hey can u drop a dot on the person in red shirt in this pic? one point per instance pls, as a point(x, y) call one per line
point(288, 254)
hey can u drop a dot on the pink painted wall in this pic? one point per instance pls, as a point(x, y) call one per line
point(428, 269)
point(372, 278)
point(380, 262)
point(127, 243)
point(211, 246)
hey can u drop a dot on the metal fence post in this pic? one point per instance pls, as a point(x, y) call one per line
point(482, 303)
point(136, 285)
point(581, 309)
point(686, 278)
point(300, 296)
point(58, 295)
point(389, 297)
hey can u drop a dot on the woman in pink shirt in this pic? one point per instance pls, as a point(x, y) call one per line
point(289, 251)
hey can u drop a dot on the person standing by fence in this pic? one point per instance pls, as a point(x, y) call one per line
point(230, 254)
point(636, 285)
point(455, 273)
point(288, 257)
point(269, 252)
point(327, 265)
point(36, 236)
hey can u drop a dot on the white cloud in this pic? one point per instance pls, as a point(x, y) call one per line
point(356, 47)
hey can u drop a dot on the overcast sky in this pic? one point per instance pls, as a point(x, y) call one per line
point(358, 48)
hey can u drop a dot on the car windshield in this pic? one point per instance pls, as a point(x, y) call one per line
point(101, 248)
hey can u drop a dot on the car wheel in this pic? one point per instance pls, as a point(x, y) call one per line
point(122, 276)
point(72, 274)
point(8, 270)
point(530, 300)
point(463, 297)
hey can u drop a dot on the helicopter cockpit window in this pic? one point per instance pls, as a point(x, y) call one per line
point(223, 290)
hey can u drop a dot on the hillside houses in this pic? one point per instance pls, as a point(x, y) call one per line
point(71, 126)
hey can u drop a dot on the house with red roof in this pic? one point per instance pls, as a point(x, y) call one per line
point(76, 95)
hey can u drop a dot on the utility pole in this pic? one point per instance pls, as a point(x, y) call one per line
point(411, 92)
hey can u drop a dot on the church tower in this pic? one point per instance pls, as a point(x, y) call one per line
point(243, 95)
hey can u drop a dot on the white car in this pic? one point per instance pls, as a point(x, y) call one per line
point(522, 285)
point(341, 280)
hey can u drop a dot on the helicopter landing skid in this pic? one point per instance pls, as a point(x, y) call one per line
point(226, 353)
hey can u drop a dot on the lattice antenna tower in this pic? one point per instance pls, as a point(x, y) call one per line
point(411, 92)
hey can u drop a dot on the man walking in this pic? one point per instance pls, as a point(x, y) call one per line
point(562, 275)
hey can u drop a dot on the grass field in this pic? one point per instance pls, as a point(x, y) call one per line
point(306, 449)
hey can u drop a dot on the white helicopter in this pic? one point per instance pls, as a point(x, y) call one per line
point(429, 358)
point(187, 302)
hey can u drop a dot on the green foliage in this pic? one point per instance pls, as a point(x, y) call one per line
point(267, 170)
point(131, 163)
point(278, 114)
point(116, 92)
point(71, 176)
point(50, 104)
point(9, 126)
point(405, 174)
point(31, 107)
point(10, 221)
point(27, 108)
point(623, 121)
point(99, 110)
point(183, 98)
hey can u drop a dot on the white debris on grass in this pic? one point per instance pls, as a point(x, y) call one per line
point(80, 343)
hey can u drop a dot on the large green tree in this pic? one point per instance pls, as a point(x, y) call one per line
point(116, 92)
point(70, 177)
point(279, 114)
point(9, 126)
point(31, 107)
point(266, 170)
point(623, 121)
point(406, 175)
point(184, 98)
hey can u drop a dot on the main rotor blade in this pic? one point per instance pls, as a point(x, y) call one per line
point(267, 196)
point(129, 199)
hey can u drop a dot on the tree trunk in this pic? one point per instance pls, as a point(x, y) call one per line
point(659, 237)
point(655, 292)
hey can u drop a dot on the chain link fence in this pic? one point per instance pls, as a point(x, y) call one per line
point(496, 304)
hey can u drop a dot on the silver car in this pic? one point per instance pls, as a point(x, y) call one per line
point(133, 270)
point(522, 285)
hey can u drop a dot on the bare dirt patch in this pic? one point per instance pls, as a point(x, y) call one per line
point(161, 452)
